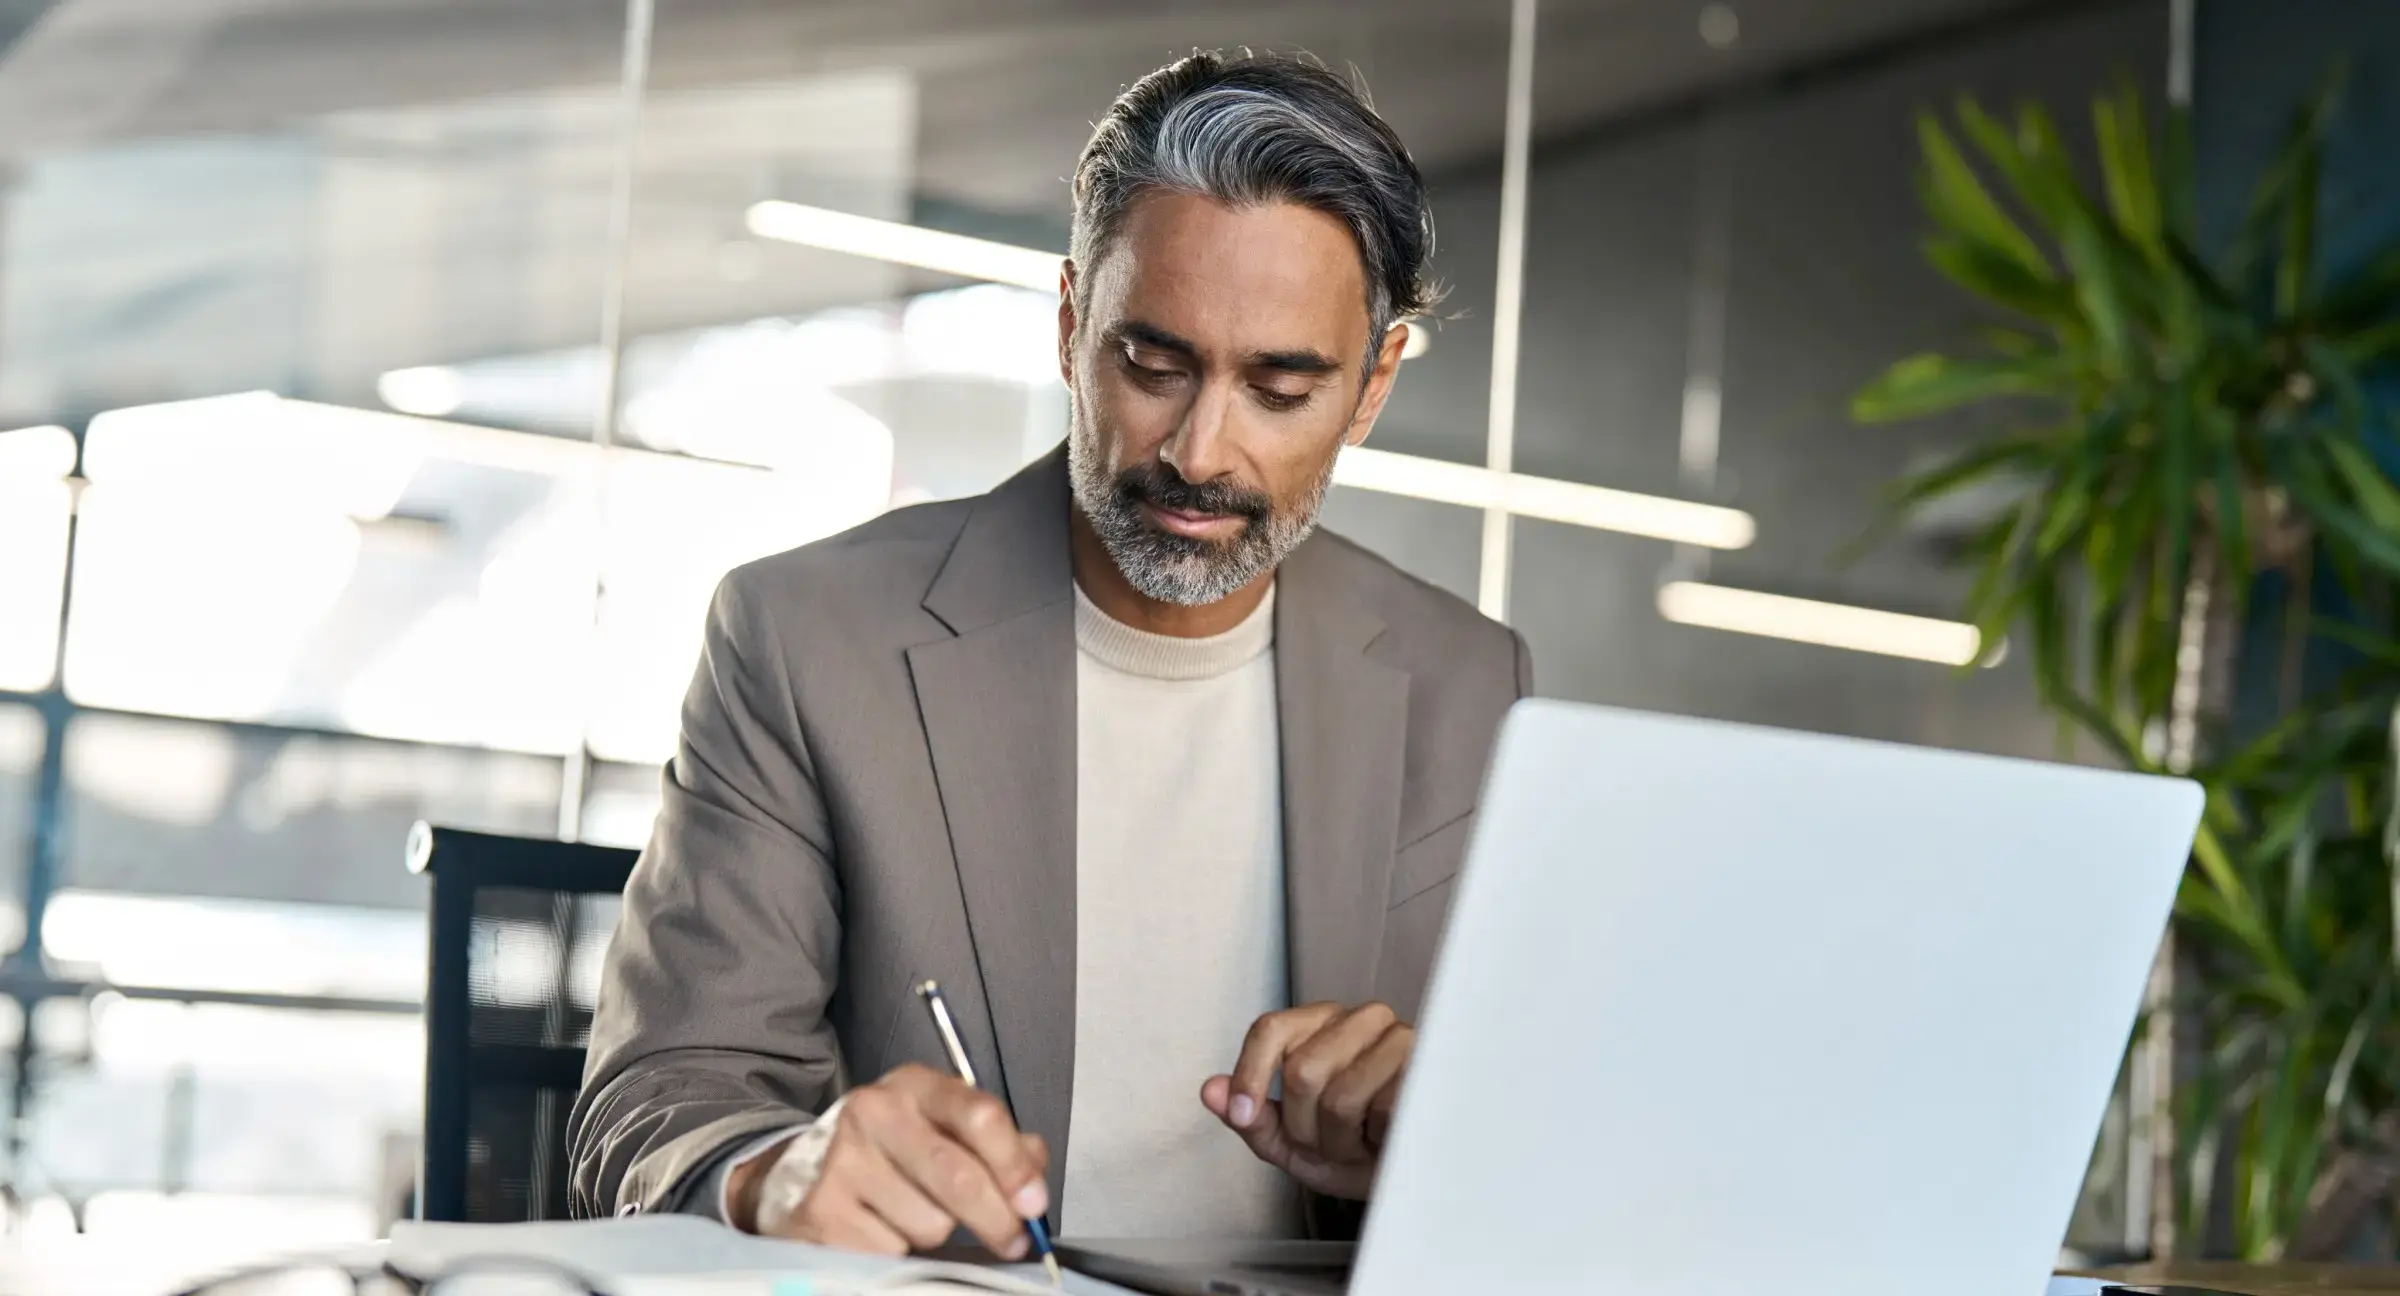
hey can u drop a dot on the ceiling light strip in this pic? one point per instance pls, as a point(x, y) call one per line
point(909, 245)
point(1472, 486)
point(1831, 625)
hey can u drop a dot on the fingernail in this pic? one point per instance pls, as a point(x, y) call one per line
point(1242, 1109)
point(1033, 1200)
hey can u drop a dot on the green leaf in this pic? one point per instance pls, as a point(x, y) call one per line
point(2377, 497)
point(1999, 459)
point(2359, 639)
point(2354, 1040)
point(2358, 534)
point(1930, 383)
point(2271, 203)
point(2051, 167)
point(1992, 601)
point(2101, 294)
point(2111, 732)
point(2177, 432)
point(2070, 500)
point(1957, 199)
point(2107, 622)
point(2330, 370)
point(2216, 294)
point(1987, 273)
point(2232, 522)
point(2374, 348)
point(2032, 179)
point(2295, 271)
point(2241, 910)
point(2369, 295)
point(1973, 467)
point(2125, 169)
point(2013, 344)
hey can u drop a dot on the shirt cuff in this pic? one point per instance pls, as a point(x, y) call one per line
point(707, 1195)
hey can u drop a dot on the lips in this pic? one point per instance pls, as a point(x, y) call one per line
point(1192, 522)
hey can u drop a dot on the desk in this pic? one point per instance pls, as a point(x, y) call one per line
point(2265, 1280)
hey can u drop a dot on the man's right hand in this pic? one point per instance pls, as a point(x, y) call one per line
point(914, 1156)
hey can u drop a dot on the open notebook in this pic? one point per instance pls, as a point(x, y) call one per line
point(684, 1255)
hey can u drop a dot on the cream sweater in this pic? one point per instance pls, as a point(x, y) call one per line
point(1179, 925)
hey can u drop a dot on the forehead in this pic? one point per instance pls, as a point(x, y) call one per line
point(1267, 277)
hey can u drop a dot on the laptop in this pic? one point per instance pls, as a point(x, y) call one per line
point(1727, 1010)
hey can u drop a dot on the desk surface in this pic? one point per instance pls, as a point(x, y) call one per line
point(2266, 1280)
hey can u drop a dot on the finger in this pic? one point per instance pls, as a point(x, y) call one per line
point(981, 1123)
point(1216, 1094)
point(956, 1179)
point(1263, 1050)
point(1265, 1137)
point(1312, 1065)
point(849, 1225)
point(1343, 1109)
point(869, 1177)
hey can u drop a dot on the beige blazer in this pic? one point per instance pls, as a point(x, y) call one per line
point(876, 785)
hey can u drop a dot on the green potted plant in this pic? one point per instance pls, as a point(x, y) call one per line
point(2184, 429)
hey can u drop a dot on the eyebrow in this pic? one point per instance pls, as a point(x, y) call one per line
point(1300, 361)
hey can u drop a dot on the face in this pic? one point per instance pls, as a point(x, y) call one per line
point(1219, 369)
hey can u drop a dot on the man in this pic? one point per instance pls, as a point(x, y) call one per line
point(1119, 753)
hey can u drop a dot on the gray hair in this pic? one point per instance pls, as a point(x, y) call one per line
point(1251, 129)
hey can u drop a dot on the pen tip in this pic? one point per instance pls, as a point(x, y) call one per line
point(1050, 1266)
point(929, 987)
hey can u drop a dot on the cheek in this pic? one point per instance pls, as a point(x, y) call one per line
point(1131, 422)
point(1298, 462)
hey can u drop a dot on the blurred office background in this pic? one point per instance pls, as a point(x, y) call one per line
point(309, 311)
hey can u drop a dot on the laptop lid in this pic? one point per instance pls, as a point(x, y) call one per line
point(1725, 1009)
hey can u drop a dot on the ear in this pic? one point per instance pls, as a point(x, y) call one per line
point(1066, 324)
point(1379, 384)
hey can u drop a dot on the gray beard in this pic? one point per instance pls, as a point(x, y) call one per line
point(1179, 569)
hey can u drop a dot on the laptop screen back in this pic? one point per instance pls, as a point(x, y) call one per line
point(1736, 1010)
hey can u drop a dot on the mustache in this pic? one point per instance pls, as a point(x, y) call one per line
point(1159, 486)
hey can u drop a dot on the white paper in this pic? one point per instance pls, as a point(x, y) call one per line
point(684, 1255)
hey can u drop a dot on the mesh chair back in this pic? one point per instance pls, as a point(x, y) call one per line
point(518, 931)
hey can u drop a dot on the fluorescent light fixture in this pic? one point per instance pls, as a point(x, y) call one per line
point(1710, 526)
point(433, 391)
point(909, 245)
point(257, 446)
point(36, 454)
point(1832, 625)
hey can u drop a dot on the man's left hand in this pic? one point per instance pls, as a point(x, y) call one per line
point(1341, 1071)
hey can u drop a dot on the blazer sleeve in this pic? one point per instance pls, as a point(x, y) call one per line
point(711, 1027)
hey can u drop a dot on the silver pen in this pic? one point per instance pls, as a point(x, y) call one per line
point(931, 993)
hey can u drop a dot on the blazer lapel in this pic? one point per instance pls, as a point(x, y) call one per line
point(998, 704)
point(1344, 718)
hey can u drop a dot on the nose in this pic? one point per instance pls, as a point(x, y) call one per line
point(1201, 448)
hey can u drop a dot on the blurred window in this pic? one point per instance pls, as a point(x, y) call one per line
point(34, 506)
point(184, 808)
point(20, 766)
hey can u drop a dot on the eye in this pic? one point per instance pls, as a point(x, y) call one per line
point(1150, 375)
point(1282, 402)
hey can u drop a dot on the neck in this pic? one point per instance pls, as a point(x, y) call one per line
point(1109, 591)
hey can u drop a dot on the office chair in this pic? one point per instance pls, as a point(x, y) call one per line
point(518, 928)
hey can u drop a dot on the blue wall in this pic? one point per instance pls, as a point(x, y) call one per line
point(2255, 63)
